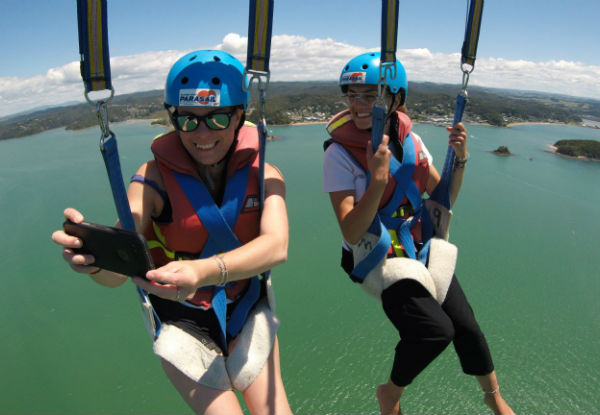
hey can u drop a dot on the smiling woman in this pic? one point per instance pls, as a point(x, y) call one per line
point(198, 204)
point(371, 191)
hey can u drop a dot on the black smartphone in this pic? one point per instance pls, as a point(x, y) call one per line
point(114, 249)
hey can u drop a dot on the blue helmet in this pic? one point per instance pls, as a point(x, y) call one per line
point(206, 78)
point(364, 69)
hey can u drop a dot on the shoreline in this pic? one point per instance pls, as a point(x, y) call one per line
point(515, 124)
point(157, 122)
point(509, 125)
point(293, 124)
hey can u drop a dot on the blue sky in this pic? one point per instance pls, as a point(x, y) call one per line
point(544, 45)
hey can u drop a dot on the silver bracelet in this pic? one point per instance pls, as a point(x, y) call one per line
point(459, 163)
point(223, 268)
point(463, 160)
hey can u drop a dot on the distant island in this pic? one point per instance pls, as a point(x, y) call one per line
point(290, 103)
point(581, 149)
point(502, 151)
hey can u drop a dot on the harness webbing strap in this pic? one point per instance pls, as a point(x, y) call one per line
point(379, 116)
point(389, 30)
point(469, 48)
point(110, 154)
point(93, 44)
point(441, 193)
point(402, 173)
point(387, 66)
point(376, 254)
point(260, 26)
point(385, 219)
point(219, 222)
point(405, 186)
point(262, 147)
point(95, 72)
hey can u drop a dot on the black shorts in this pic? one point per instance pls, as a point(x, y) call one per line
point(202, 324)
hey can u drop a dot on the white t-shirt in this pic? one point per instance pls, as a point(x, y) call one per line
point(342, 172)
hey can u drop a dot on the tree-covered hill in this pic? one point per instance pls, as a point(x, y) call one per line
point(292, 102)
point(579, 148)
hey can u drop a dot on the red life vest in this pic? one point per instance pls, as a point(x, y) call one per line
point(354, 140)
point(185, 236)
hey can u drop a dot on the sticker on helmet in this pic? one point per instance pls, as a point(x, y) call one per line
point(354, 78)
point(199, 97)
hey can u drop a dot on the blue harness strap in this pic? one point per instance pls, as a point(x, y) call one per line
point(402, 173)
point(219, 223)
point(110, 154)
point(376, 254)
point(441, 193)
point(260, 27)
point(405, 186)
point(378, 124)
point(384, 220)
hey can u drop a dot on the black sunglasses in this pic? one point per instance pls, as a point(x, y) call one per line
point(189, 122)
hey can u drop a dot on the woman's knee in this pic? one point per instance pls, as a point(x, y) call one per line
point(416, 314)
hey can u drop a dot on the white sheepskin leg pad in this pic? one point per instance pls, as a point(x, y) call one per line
point(442, 264)
point(372, 284)
point(253, 347)
point(192, 358)
point(396, 269)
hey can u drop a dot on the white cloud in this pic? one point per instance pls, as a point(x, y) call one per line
point(296, 58)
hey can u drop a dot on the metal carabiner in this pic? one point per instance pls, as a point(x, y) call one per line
point(102, 114)
point(262, 88)
point(107, 100)
point(384, 68)
point(259, 75)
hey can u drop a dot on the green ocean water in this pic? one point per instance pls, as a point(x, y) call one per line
point(527, 228)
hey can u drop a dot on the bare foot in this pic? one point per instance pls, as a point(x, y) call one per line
point(388, 396)
point(497, 404)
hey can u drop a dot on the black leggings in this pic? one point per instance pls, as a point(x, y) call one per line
point(426, 328)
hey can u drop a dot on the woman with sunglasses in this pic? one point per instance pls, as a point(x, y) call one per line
point(198, 204)
point(425, 304)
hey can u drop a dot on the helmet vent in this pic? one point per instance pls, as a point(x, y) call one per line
point(184, 80)
point(193, 58)
point(365, 66)
point(217, 59)
point(216, 81)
